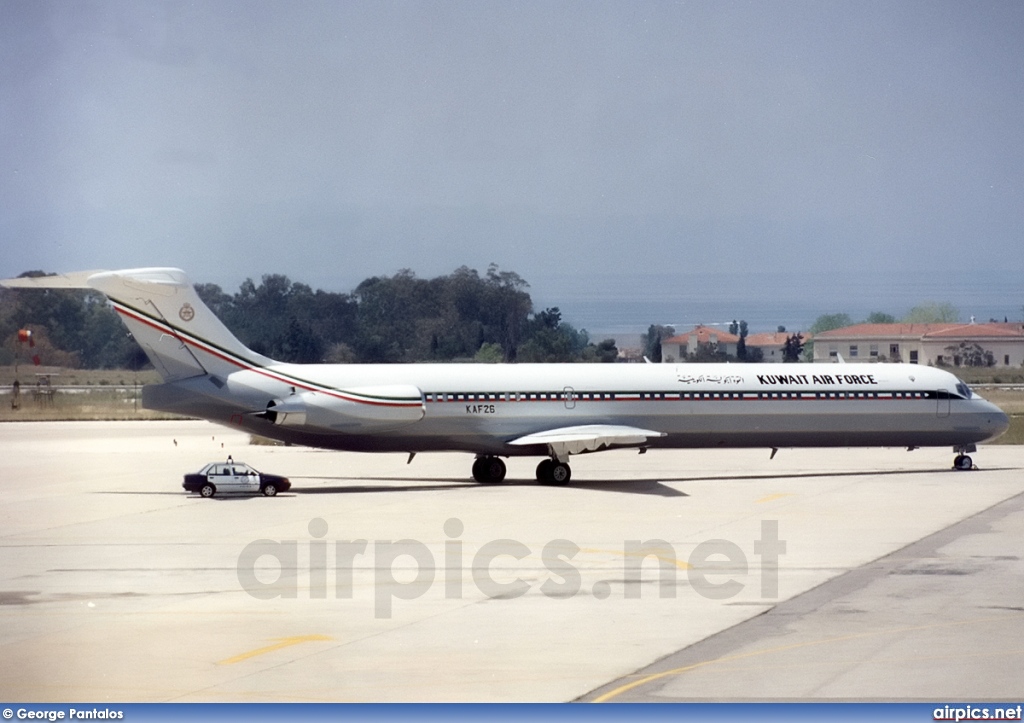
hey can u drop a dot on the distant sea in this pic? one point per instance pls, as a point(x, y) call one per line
point(624, 306)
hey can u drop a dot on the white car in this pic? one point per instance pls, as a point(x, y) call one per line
point(234, 476)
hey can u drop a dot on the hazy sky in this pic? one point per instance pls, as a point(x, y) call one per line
point(669, 144)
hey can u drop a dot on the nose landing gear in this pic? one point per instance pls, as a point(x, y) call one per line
point(962, 462)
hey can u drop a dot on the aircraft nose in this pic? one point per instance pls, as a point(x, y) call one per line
point(996, 421)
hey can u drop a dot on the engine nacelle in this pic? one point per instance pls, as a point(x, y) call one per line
point(289, 412)
point(351, 410)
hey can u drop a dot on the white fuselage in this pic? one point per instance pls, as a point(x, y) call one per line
point(480, 408)
point(553, 410)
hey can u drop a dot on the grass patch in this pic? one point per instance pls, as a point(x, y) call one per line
point(100, 404)
point(988, 375)
point(1015, 434)
point(62, 376)
point(1010, 401)
point(259, 441)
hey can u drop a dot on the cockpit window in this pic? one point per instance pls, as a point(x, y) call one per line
point(963, 390)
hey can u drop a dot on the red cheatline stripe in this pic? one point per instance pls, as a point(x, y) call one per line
point(243, 364)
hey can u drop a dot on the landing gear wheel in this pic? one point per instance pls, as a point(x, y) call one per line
point(489, 470)
point(270, 490)
point(207, 490)
point(963, 463)
point(551, 472)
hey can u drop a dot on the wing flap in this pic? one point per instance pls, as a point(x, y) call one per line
point(565, 441)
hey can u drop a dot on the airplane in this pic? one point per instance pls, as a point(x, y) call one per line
point(553, 411)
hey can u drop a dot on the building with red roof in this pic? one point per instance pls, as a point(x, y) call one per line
point(944, 344)
point(773, 344)
point(681, 346)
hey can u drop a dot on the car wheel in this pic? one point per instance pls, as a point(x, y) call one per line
point(207, 490)
point(270, 490)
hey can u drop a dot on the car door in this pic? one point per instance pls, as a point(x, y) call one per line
point(248, 479)
point(224, 478)
point(219, 476)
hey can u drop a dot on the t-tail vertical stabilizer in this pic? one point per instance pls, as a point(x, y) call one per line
point(178, 332)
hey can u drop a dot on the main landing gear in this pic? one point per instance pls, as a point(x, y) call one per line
point(491, 470)
point(553, 472)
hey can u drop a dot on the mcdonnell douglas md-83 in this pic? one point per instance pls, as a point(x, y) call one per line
point(546, 410)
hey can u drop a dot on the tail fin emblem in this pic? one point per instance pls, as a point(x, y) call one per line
point(187, 313)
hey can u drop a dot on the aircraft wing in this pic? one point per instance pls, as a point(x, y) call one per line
point(587, 438)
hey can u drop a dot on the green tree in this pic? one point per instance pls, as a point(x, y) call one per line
point(741, 345)
point(652, 340)
point(605, 351)
point(828, 322)
point(878, 317)
point(932, 313)
point(507, 306)
point(401, 318)
point(793, 348)
point(489, 353)
point(971, 354)
point(552, 340)
point(708, 353)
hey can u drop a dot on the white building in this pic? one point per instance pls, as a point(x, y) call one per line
point(680, 346)
point(934, 344)
point(773, 344)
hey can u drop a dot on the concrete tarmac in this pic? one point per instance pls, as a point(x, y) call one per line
point(651, 577)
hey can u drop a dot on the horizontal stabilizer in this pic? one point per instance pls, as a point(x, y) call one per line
point(75, 280)
point(587, 438)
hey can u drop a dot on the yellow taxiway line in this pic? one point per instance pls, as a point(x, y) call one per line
point(279, 645)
